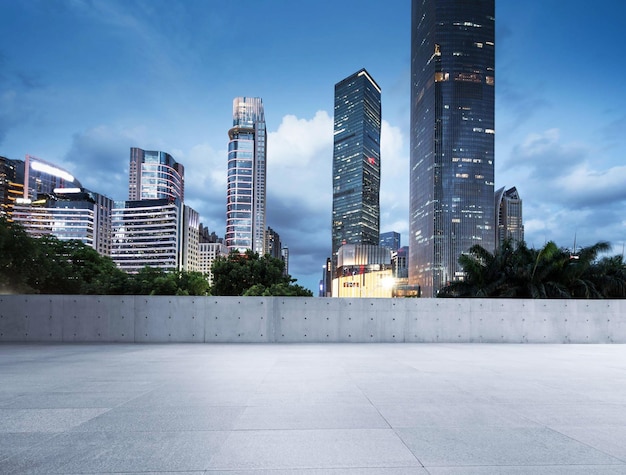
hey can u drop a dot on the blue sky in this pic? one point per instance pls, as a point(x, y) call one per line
point(82, 81)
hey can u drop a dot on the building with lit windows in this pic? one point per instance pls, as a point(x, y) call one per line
point(55, 203)
point(146, 233)
point(246, 194)
point(11, 185)
point(356, 163)
point(451, 137)
point(155, 175)
point(391, 240)
point(508, 205)
point(69, 214)
point(363, 270)
point(41, 178)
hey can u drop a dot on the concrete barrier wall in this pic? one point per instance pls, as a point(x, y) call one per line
point(81, 318)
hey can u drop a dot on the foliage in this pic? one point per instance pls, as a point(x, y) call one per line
point(48, 265)
point(249, 274)
point(549, 272)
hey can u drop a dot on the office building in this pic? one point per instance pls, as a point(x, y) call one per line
point(11, 185)
point(273, 246)
point(356, 163)
point(208, 252)
point(54, 203)
point(391, 240)
point(68, 214)
point(246, 176)
point(508, 205)
point(154, 175)
point(41, 178)
point(452, 137)
point(147, 233)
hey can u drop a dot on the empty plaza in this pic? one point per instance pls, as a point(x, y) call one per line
point(312, 408)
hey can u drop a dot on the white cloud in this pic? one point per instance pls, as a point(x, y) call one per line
point(299, 160)
point(394, 188)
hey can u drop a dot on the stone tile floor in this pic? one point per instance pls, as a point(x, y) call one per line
point(440, 409)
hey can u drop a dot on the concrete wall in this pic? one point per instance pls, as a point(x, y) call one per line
point(80, 318)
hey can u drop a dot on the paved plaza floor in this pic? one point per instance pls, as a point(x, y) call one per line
point(441, 409)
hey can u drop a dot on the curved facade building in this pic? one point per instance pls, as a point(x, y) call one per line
point(246, 194)
point(155, 175)
point(452, 137)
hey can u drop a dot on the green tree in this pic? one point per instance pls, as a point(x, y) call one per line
point(249, 274)
point(550, 272)
point(16, 258)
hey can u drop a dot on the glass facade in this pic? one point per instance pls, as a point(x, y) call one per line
point(508, 205)
point(246, 194)
point(391, 240)
point(155, 175)
point(452, 137)
point(147, 233)
point(356, 162)
point(41, 178)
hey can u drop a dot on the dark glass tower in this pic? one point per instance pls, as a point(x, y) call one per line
point(452, 137)
point(356, 162)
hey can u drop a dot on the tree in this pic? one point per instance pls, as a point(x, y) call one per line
point(550, 272)
point(248, 274)
point(16, 258)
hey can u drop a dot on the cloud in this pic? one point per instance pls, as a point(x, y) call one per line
point(567, 191)
point(299, 184)
point(98, 158)
point(394, 187)
point(205, 184)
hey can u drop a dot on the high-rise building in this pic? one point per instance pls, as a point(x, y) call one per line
point(41, 178)
point(508, 206)
point(391, 240)
point(208, 252)
point(11, 185)
point(147, 233)
point(68, 214)
point(452, 137)
point(245, 196)
point(356, 162)
point(273, 246)
point(155, 175)
point(55, 203)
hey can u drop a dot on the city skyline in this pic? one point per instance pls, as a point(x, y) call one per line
point(82, 82)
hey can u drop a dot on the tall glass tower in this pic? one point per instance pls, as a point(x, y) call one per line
point(155, 175)
point(452, 137)
point(356, 162)
point(245, 201)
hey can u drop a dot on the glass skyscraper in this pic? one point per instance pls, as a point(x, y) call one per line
point(246, 194)
point(155, 175)
point(356, 162)
point(452, 137)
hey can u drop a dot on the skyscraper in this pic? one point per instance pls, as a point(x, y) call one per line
point(245, 201)
point(452, 137)
point(155, 175)
point(508, 206)
point(390, 239)
point(356, 162)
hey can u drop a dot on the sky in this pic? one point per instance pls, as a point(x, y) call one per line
point(82, 81)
